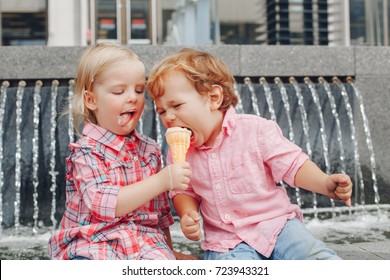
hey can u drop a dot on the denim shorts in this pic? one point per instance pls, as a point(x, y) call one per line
point(294, 242)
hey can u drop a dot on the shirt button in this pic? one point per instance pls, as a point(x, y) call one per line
point(135, 158)
point(213, 156)
point(227, 216)
point(218, 187)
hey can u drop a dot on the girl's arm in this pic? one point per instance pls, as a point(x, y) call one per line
point(135, 195)
point(335, 186)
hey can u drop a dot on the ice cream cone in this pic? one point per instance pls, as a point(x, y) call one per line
point(178, 140)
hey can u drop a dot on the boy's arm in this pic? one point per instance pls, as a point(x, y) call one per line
point(187, 208)
point(184, 203)
point(335, 186)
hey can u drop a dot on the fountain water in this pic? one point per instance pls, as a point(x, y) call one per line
point(32, 182)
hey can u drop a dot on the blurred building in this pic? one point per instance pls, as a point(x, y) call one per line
point(194, 22)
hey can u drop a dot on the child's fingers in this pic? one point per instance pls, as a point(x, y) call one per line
point(344, 193)
point(194, 216)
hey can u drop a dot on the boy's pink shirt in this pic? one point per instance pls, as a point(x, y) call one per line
point(235, 183)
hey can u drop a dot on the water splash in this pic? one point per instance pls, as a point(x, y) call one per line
point(18, 153)
point(358, 169)
point(35, 153)
point(3, 99)
point(305, 125)
point(255, 105)
point(368, 141)
point(53, 173)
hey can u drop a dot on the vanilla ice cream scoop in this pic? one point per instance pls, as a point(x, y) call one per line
point(178, 139)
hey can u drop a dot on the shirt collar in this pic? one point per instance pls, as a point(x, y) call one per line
point(228, 124)
point(106, 137)
point(229, 121)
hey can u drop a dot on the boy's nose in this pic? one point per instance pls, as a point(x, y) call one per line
point(170, 117)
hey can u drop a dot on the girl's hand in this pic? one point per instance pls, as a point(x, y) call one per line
point(341, 187)
point(190, 225)
point(177, 176)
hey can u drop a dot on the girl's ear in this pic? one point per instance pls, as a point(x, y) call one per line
point(89, 100)
point(216, 97)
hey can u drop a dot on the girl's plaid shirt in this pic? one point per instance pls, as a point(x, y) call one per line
point(100, 163)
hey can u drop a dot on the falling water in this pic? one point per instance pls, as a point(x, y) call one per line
point(3, 99)
point(354, 140)
point(268, 97)
point(158, 130)
point(70, 107)
point(368, 140)
point(255, 105)
point(271, 109)
point(35, 153)
point(324, 139)
point(40, 140)
point(18, 153)
point(141, 124)
point(53, 173)
point(305, 125)
point(286, 104)
point(239, 107)
point(337, 119)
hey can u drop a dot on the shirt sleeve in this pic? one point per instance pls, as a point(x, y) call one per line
point(90, 176)
point(283, 157)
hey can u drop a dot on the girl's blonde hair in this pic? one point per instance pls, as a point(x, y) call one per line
point(93, 62)
point(202, 69)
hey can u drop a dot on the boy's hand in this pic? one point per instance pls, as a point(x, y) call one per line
point(178, 175)
point(190, 225)
point(342, 187)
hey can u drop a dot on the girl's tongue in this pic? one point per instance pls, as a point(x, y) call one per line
point(124, 118)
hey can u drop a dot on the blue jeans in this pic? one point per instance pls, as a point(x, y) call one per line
point(294, 242)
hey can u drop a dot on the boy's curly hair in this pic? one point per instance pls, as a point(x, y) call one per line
point(202, 69)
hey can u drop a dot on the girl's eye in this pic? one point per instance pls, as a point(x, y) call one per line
point(118, 91)
point(177, 106)
point(161, 113)
point(140, 89)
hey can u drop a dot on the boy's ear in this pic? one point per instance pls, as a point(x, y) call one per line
point(89, 100)
point(216, 97)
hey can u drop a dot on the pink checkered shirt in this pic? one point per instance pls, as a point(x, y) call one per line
point(235, 183)
point(100, 163)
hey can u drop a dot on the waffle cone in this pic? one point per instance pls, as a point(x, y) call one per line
point(178, 140)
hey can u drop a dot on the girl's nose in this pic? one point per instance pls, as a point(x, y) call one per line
point(131, 96)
